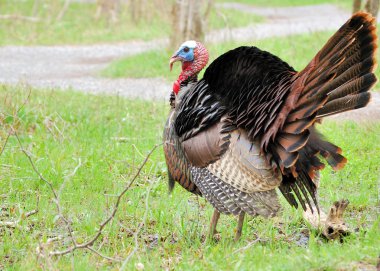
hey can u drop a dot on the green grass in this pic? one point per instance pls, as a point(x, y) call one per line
point(297, 50)
point(79, 26)
point(111, 136)
point(228, 18)
point(289, 3)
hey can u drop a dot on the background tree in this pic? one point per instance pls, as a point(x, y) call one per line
point(371, 6)
point(189, 20)
point(110, 9)
point(136, 9)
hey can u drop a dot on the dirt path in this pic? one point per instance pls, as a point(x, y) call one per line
point(78, 67)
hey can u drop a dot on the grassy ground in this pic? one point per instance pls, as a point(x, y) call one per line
point(288, 3)
point(297, 50)
point(79, 26)
point(108, 137)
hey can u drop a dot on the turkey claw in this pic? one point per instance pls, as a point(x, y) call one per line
point(335, 227)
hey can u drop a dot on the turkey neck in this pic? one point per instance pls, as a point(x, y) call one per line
point(185, 87)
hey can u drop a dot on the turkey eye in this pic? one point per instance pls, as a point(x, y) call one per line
point(186, 49)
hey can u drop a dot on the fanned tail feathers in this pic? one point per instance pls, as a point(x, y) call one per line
point(341, 74)
point(336, 80)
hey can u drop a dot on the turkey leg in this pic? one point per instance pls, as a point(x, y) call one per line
point(214, 222)
point(239, 226)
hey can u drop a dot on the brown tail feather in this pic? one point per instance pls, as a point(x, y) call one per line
point(363, 84)
point(293, 142)
point(344, 75)
point(345, 104)
point(343, 67)
point(336, 80)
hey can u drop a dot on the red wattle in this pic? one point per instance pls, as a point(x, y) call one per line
point(176, 87)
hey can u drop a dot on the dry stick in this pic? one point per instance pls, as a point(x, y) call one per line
point(10, 130)
point(56, 197)
point(35, 7)
point(248, 245)
point(210, 5)
point(63, 10)
point(5, 143)
point(88, 244)
point(110, 217)
point(90, 248)
point(19, 17)
point(69, 176)
point(14, 224)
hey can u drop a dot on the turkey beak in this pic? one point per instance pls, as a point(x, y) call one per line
point(174, 59)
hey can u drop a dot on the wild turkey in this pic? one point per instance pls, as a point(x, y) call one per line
point(248, 127)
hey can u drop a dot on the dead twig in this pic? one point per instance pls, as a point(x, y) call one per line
point(67, 177)
point(56, 198)
point(90, 242)
point(63, 10)
point(42, 178)
point(258, 239)
point(15, 224)
point(20, 18)
point(11, 129)
point(5, 142)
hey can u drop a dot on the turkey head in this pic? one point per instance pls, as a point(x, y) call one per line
point(194, 57)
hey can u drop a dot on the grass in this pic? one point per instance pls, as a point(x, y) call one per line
point(79, 26)
point(111, 136)
point(297, 50)
point(290, 3)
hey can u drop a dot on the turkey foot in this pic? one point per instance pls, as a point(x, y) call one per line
point(334, 226)
point(239, 228)
point(214, 221)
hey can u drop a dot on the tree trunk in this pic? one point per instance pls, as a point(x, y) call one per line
point(109, 9)
point(356, 6)
point(135, 10)
point(372, 6)
point(62, 12)
point(188, 21)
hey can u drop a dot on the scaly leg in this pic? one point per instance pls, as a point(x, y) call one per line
point(239, 226)
point(214, 222)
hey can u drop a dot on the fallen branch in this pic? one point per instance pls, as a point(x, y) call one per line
point(19, 17)
point(109, 218)
point(56, 198)
point(68, 177)
point(88, 244)
point(5, 142)
point(258, 239)
point(11, 129)
point(15, 224)
point(63, 10)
